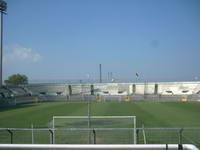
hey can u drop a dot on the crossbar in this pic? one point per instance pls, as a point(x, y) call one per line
point(92, 117)
point(100, 147)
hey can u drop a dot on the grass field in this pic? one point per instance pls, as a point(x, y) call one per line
point(151, 114)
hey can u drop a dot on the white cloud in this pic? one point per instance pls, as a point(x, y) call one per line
point(19, 53)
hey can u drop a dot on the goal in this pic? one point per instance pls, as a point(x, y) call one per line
point(94, 129)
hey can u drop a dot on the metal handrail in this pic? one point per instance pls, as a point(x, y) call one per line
point(101, 146)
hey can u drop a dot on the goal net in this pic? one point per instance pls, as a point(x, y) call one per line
point(94, 129)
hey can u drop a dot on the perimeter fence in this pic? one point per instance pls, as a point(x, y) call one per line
point(99, 98)
point(122, 98)
point(100, 136)
point(133, 98)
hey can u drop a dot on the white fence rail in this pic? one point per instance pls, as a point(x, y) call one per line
point(100, 147)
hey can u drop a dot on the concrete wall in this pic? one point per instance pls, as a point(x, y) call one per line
point(111, 89)
point(179, 88)
point(142, 88)
point(49, 89)
point(163, 88)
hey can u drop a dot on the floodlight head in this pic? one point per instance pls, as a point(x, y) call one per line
point(3, 6)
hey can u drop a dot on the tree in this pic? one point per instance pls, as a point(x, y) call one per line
point(17, 79)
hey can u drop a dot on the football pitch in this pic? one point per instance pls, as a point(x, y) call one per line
point(162, 122)
point(149, 114)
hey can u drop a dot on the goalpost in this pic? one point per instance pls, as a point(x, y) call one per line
point(102, 127)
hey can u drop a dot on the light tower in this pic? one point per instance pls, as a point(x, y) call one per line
point(3, 8)
point(100, 76)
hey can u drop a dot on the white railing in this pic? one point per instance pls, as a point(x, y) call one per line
point(100, 147)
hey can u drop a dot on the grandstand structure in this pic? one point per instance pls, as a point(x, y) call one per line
point(163, 91)
point(70, 134)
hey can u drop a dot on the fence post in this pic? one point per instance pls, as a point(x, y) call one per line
point(70, 90)
point(51, 132)
point(144, 135)
point(92, 89)
point(32, 134)
point(11, 136)
point(94, 132)
point(180, 136)
point(137, 136)
point(180, 147)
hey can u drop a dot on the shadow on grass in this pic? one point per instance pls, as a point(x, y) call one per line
point(18, 106)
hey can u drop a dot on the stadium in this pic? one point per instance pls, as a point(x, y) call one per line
point(98, 112)
point(102, 113)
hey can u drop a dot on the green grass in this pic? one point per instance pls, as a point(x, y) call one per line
point(151, 114)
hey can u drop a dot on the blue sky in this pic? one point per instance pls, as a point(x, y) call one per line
point(68, 39)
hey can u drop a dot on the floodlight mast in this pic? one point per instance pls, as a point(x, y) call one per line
point(100, 75)
point(3, 8)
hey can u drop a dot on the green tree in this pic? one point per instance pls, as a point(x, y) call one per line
point(17, 79)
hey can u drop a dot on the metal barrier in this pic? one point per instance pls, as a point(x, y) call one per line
point(122, 98)
point(100, 136)
point(100, 147)
point(98, 98)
